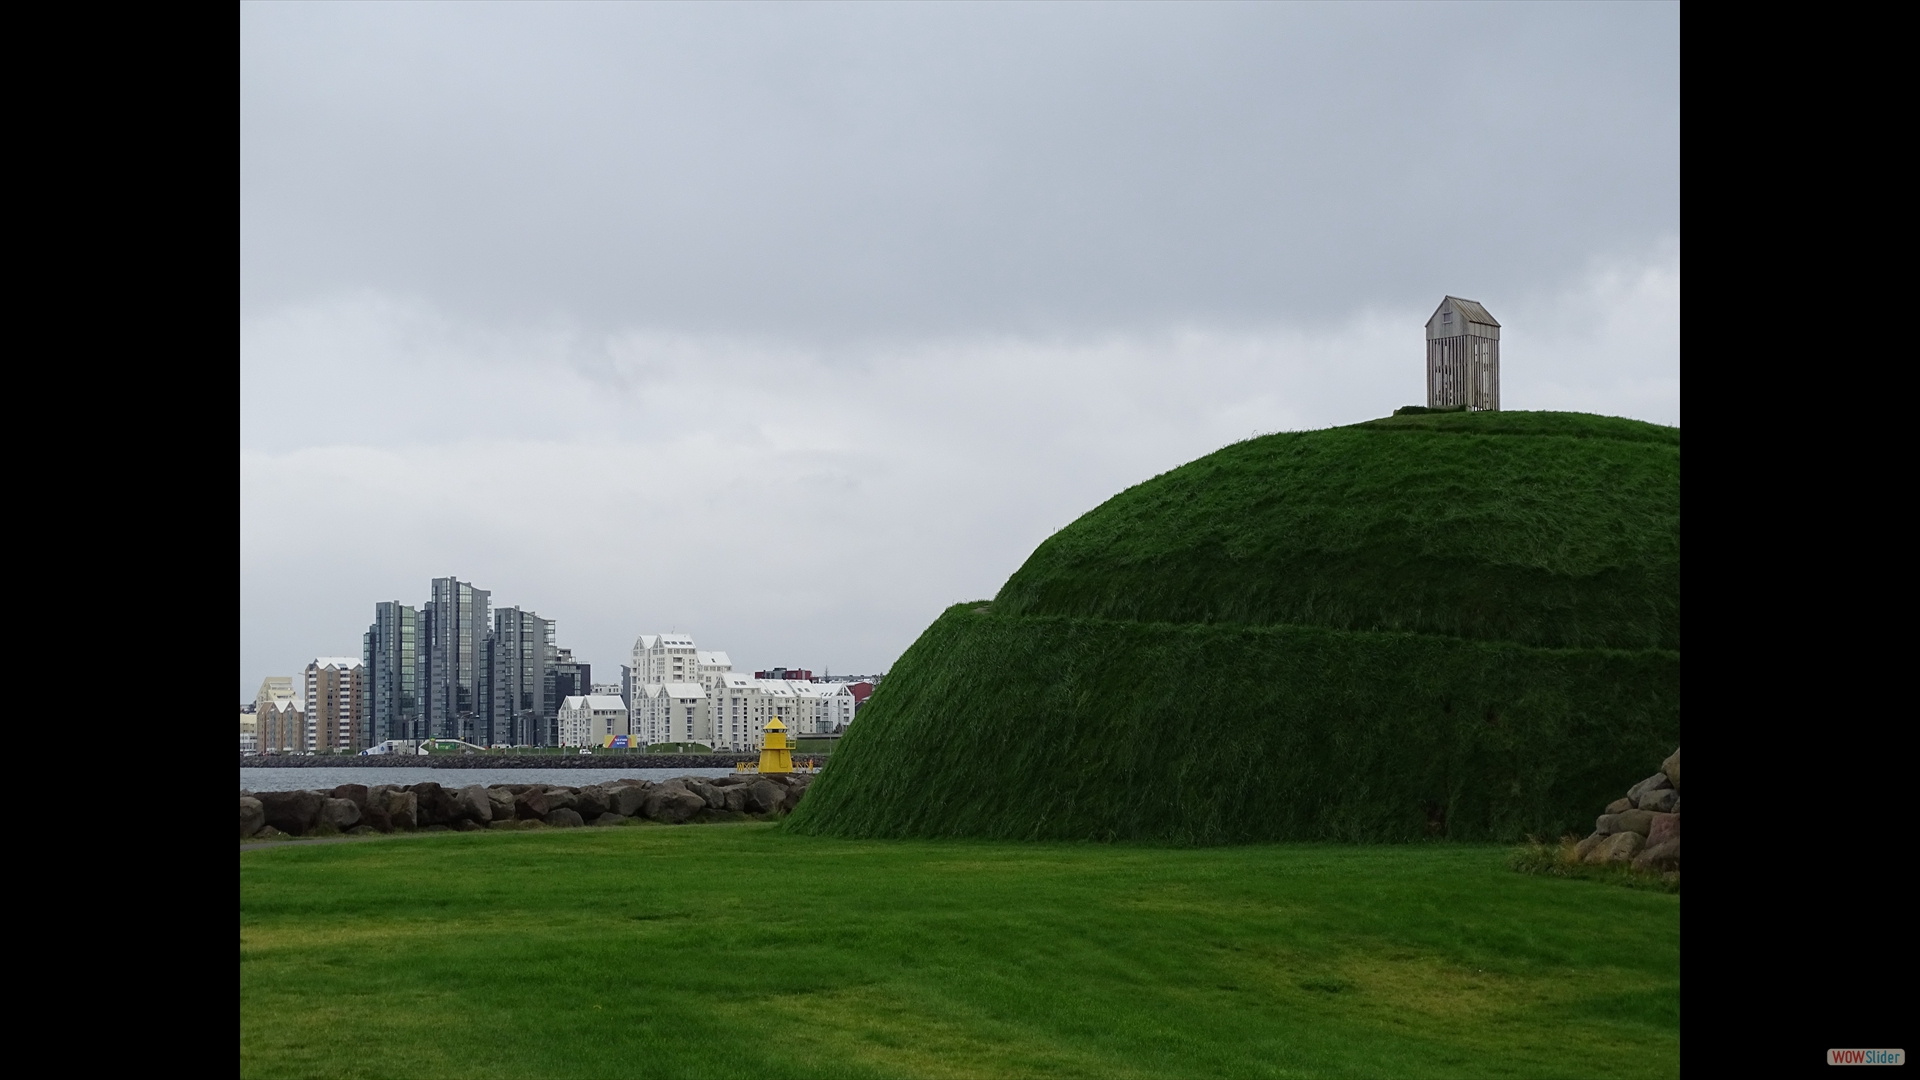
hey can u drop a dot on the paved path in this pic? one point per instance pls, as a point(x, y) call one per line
point(305, 841)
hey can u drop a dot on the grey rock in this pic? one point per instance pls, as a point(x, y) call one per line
point(764, 797)
point(501, 801)
point(1633, 821)
point(293, 812)
point(339, 813)
point(1585, 847)
point(1621, 847)
point(472, 803)
point(792, 800)
point(560, 798)
point(608, 818)
point(433, 805)
point(353, 793)
point(1651, 783)
point(673, 805)
point(735, 796)
point(564, 818)
point(711, 795)
point(252, 816)
point(469, 825)
point(1660, 802)
point(532, 804)
point(1671, 768)
point(1663, 856)
point(591, 802)
point(1619, 806)
point(1665, 827)
point(626, 799)
point(375, 817)
point(268, 832)
point(403, 810)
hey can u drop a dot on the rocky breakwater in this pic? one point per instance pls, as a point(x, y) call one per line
point(359, 809)
point(1642, 828)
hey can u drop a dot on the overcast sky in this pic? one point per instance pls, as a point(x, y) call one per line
point(786, 325)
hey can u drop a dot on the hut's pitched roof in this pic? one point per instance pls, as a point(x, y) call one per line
point(1471, 310)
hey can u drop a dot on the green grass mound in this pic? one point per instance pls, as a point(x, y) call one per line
point(1462, 625)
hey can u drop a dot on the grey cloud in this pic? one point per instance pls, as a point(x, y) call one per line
point(870, 170)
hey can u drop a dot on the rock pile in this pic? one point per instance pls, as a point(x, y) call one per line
point(1643, 828)
point(359, 809)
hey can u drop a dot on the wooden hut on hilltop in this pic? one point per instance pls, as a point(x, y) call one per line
point(1463, 356)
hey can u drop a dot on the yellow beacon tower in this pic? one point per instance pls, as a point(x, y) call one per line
point(775, 755)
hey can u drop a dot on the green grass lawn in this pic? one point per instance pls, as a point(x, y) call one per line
point(742, 951)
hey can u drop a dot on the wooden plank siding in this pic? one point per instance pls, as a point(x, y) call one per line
point(1463, 370)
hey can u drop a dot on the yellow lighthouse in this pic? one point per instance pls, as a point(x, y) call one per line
point(775, 755)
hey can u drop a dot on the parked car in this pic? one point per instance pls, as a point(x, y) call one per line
point(584, 752)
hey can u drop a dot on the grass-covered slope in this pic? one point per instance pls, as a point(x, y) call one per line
point(1463, 625)
point(1541, 528)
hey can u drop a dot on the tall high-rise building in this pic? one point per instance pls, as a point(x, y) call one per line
point(336, 704)
point(395, 653)
point(522, 707)
point(571, 678)
point(457, 669)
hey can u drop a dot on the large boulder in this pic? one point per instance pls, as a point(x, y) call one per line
point(1660, 802)
point(1671, 767)
point(434, 804)
point(1621, 847)
point(794, 791)
point(562, 798)
point(532, 805)
point(294, 812)
point(735, 796)
point(403, 810)
point(252, 817)
point(354, 793)
point(472, 803)
point(1665, 827)
point(1585, 847)
point(375, 816)
point(1652, 783)
point(501, 800)
point(765, 797)
point(606, 819)
point(1662, 856)
point(672, 803)
point(339, 813)
point(713, 796)
point(591, 802)
point(1633, 821)
point(564, 818)
point(626, 799)
point(1619, 806)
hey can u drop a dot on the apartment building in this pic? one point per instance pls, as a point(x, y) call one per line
point(821, 708)
point(457, 671)
point(524, 697)
point(665, 658)
point(587, 719)
point(673, 712)
point(337, 702)
point(280, 727)
point(394, 651)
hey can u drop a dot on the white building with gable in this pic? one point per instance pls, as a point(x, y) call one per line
point(586, 719)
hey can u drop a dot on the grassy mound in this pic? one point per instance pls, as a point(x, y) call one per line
point(1463, 625)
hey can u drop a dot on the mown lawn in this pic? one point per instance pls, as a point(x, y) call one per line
point(741, 951)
